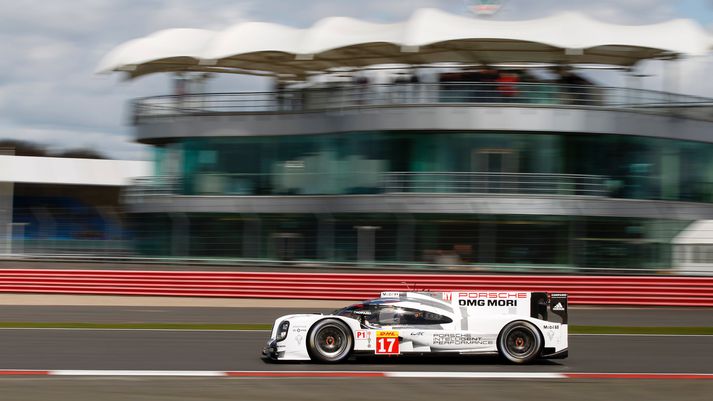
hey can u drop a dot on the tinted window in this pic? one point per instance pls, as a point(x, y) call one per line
point(393, 316)
point(390, 315)
point(418, 317)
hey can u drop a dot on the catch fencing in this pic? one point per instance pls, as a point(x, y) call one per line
point(587, 290)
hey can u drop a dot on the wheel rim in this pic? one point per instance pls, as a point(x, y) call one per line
point(520, 342)
point(330, 341)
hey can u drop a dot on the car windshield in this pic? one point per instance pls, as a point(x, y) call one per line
point(388, 314)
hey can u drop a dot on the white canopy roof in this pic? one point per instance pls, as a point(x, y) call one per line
point(429, 36)
point(697, 233)
point(69, 171)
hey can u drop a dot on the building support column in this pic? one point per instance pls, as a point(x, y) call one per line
point(577, 246)
point(486, 241)
point(6, 207)
point(252, 235)
point(325, 237)
point(405, 238)
point(180, 234)
point(366, 243)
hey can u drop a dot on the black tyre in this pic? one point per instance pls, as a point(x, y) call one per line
point(330, 340)
point(520, 342)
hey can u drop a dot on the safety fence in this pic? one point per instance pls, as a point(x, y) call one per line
point(589, 290)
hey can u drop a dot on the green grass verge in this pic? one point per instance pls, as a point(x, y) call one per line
point(640, 330)
point(136, 326)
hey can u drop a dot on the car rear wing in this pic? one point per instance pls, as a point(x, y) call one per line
point(549, 307)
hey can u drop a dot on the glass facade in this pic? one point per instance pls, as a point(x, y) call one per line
point(354, 163)
point(508, 240)
point(361, 162)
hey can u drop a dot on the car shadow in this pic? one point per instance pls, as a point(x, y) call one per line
point(396, 360)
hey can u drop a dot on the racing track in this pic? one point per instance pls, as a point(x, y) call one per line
point(239, 351)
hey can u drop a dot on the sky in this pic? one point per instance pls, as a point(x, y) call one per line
point(51, 95)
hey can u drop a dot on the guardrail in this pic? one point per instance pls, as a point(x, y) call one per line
point(590, 290)
point(395, 182)
point(495, 183)
point(351, 95)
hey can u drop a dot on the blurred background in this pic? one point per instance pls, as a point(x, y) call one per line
point(513, 153)
point(170, 166)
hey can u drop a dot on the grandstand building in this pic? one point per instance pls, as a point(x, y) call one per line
point(505, 156)
point(56, 205)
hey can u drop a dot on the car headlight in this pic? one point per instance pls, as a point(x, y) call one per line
point(282, 330)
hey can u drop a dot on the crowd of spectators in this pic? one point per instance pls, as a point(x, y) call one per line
point(514, 86)
point(482, 85)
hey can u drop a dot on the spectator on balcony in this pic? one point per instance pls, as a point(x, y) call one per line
point(415, 88)
point(279, 88)
point(180, 88)
point(487, 85)
point(401, 87)
point(575, 88)
point(361, 88)
point(507, 86)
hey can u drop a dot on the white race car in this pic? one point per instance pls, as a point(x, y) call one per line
point(520, 326)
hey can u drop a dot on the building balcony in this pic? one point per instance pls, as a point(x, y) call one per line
point(397, 183)
point(405, 193)
point(355, 96)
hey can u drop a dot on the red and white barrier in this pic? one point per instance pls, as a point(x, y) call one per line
point(591, 290)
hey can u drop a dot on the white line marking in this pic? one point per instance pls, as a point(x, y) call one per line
point(478, 375)
point(164, 373)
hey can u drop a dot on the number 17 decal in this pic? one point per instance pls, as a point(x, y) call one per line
point(387, 342)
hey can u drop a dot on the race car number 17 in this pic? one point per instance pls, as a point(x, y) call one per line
point(387, 342)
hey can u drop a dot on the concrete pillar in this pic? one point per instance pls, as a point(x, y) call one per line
point(252, 237)
point(487, 241)
point(366, 243)
point(405, 239)
point(180, 234)
point(574, 247)
point(6, 207)
point(325, 237)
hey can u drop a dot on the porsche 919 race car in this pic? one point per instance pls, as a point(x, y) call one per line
point(520, 326)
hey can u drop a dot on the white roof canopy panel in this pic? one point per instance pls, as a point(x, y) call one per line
point(699, 232)
point(429, 36)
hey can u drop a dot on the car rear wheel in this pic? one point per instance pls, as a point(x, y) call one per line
point(520, 342)
point(330, 340)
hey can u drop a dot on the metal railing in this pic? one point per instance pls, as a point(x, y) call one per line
point(384, 183)
point(352, 96)
point(495, 183)
point(146, 187)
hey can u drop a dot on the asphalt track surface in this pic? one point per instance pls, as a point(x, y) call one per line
point(194, 389)
point(240, 350)
point(223, 350)
point(681, 317)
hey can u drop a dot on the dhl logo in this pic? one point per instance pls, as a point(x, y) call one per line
point(387, 333)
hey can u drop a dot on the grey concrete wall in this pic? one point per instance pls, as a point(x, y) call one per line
point(427, 203)
point(428, 118)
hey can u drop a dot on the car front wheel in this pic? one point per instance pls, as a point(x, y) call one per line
point(520, 342)
point(330, 340)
